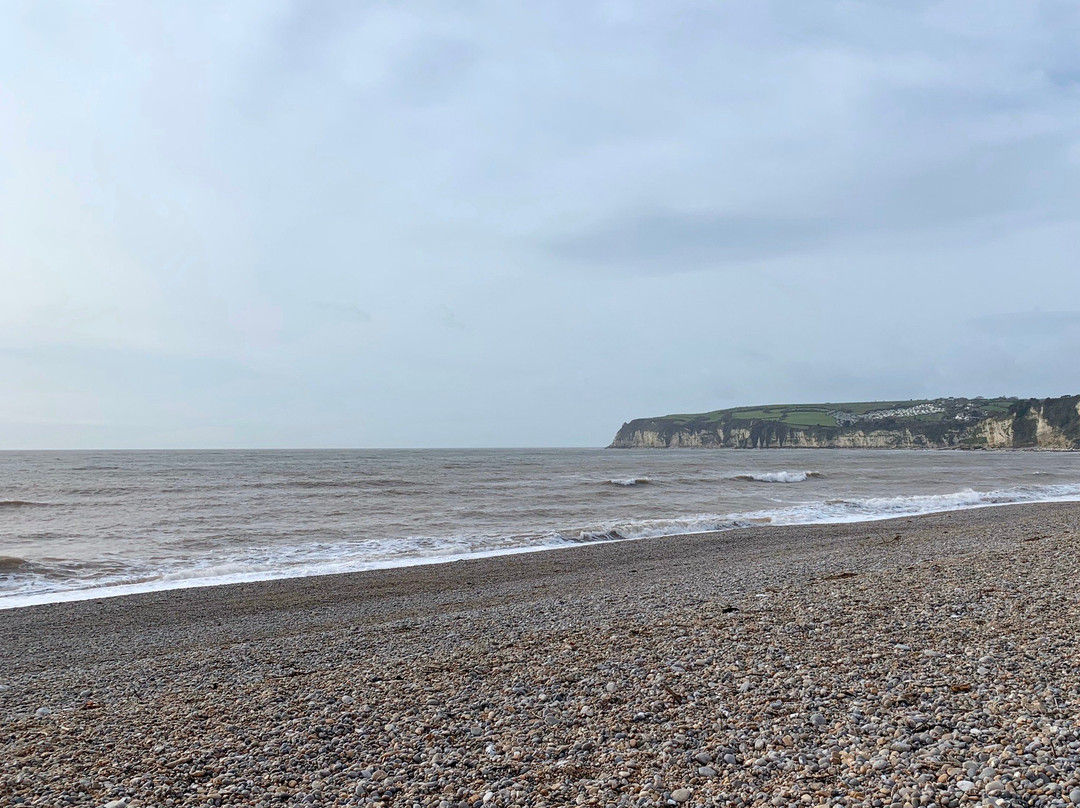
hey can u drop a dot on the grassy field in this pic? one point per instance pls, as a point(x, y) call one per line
point(805, 415)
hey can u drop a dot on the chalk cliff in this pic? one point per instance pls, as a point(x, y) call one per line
point(998, 423)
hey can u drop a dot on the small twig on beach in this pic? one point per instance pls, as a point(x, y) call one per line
point(679, 697)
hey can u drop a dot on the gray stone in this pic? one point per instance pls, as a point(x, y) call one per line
point(1074, 796)
point(965, 785)
point(43, 712)
point(680, 794)
point(818, 720)
point(707, 771)
point(704, 758)
point(730, 759)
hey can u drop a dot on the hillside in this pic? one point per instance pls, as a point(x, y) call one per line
point(978, 423)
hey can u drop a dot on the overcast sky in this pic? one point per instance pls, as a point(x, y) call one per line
point(521, 224)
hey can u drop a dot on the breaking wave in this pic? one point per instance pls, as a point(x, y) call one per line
point(627, 481)
point(777, 476)
point(51, 579)
point(833, 511)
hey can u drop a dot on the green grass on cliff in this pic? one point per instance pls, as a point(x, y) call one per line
point(808, 415)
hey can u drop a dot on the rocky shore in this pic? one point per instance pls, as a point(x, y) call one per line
point(926, 661)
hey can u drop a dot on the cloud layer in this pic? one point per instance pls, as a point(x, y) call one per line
point(283, 224)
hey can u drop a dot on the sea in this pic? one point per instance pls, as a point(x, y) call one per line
point(76, 525)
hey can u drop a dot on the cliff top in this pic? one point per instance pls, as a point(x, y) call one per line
point(935, 422)
point(846, 413)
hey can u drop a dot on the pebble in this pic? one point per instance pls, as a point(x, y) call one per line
point(42, 712)
point(504, 694)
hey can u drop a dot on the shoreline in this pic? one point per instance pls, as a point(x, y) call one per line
point(128, 590)
point(930, 656)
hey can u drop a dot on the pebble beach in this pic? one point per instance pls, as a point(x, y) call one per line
point(925, 661)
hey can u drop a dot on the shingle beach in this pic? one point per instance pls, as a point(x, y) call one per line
point(924, 661)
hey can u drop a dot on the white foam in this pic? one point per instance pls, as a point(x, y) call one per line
point(627, 481)
point(834, 512)
point(323, 559)
point(777, 476)
point(242, 573)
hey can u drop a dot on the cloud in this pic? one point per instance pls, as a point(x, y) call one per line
point(448, 319)
point(674, 242)
point(345, 311)
point(367, 213)
point(433, 69)
point(1029, 324)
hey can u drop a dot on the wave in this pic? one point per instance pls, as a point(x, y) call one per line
point(777, 476)
point(355, 484)
point(628, 481)
point(110, 577)
point(833, 511)
point(21, 503)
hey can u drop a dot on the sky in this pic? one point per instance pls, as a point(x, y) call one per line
point(341, 224)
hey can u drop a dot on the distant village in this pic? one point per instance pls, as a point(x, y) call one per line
point(929, 408)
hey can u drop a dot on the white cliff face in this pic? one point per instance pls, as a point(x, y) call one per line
point(1048, 436)
point(796, 439)
point(1000, 433)
point(1043, 425)
point(866, 439)
point(996, 433)
point(861, 439)
point(642, 439)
